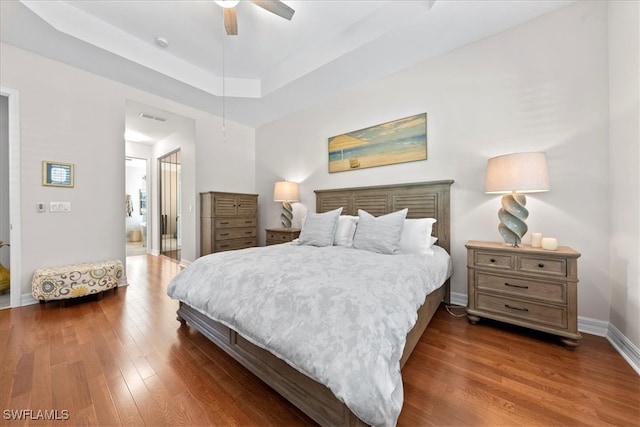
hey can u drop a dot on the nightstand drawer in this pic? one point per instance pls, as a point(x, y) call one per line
point(278, 237)
point(235, 233)
point(554, 316)
point(235, 222)
point(518, 287)
point(554, 267)
point(494, 260)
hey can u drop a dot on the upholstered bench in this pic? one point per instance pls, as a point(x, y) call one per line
point(78, 280)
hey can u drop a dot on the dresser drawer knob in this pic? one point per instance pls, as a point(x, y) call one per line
point(541, 265)
point(517, 286)
point(516, 308)
point(492, 260)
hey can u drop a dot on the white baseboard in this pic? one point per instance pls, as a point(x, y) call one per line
point(27, 299)
point(593, 326)
point(185, 263)
point(459, 299)
point(625, 347)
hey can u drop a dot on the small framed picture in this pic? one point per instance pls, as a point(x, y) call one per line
point(57, 174)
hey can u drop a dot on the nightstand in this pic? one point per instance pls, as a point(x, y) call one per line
point(524, 286)
point(281, 235)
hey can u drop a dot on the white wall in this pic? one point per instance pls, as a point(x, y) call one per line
point(624, 136)
point(539, 87)
point(71, 115)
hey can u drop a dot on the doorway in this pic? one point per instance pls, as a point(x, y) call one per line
point(169, 167)
point(136, 206)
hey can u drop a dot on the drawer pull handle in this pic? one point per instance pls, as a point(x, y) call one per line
point(541, 265)
point(224, 234)
point(224, 246)
point(224, 223)
point(492, 260)
point(248, 232)
point(248, 222)
point(516, 308)
point(517, 286)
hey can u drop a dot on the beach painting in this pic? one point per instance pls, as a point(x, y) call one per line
point(398, 141)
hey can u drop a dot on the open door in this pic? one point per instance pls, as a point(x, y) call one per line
point(169, 167)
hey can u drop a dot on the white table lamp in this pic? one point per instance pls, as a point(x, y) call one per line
point(513, 175)
point(286, 192)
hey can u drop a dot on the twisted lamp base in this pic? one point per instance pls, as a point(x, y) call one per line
point(286, 216)
point(512, 216)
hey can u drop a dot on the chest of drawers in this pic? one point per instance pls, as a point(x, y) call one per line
point(227, 221)
point(524, 286)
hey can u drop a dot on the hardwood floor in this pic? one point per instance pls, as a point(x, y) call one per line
point(124, 360)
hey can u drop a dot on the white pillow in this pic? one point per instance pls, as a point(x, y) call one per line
point(379, 234)
point(345, 230)
point(416, 236)
point(319, 228)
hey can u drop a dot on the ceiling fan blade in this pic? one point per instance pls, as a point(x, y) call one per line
point(277, 7)
point(230, 21)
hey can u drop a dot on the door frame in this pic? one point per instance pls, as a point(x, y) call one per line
point(15, 226)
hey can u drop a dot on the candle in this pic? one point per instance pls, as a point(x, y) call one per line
point(549, 243)
point(536, 240)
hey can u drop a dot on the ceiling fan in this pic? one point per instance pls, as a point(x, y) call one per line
point(229, 7)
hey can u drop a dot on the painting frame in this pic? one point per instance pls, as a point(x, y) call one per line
point(57, 174)
point(393, 142)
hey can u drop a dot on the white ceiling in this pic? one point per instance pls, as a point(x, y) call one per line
point(274, 67)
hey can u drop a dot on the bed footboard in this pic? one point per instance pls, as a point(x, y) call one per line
point(311, 397)
point(308, 395)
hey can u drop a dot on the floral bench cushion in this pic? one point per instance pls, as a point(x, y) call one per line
point(72, 281)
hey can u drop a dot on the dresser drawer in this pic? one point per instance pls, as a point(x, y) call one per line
point(235, 233)
point(235, 222)
point(518, 287)
point(228, 245)
point(554, 316)
point(494, 260)
point(551, 267)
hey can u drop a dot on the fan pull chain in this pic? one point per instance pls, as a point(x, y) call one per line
point(224, 119)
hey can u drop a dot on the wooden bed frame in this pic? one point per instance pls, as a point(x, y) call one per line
point(424, 200)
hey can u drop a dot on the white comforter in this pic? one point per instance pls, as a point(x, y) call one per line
point(338, 315)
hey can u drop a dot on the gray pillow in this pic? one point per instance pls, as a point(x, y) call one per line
point(379, 234)
point(319, 229)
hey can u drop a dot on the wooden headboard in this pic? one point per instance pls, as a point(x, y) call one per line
point(423, 199)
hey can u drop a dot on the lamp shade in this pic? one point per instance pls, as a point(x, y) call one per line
point(227, 4)
point(518, 172)
point(285, 191)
